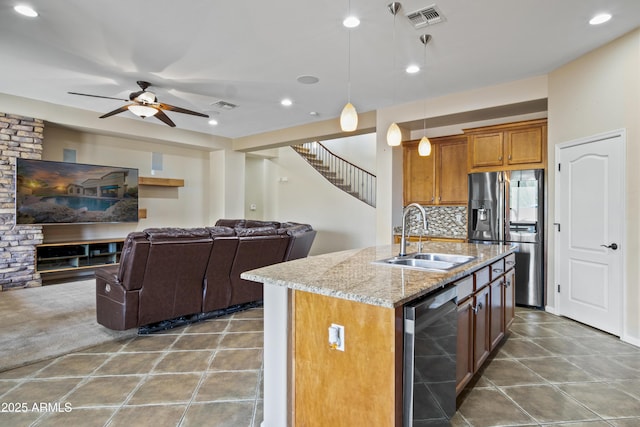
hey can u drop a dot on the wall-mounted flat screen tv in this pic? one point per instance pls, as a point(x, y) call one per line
point(50, 192)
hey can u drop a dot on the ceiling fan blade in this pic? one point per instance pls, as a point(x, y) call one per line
point(164, 118)
point(97, 96)
point(114, 112)
point(180, 110)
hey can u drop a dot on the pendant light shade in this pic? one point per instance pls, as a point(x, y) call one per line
point(424, 147)
point(394, 136)
point(349, 118)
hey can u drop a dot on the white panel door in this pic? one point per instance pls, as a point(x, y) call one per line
point(590, 200)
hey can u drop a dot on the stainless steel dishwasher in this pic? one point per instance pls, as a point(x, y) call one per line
point(430, 340)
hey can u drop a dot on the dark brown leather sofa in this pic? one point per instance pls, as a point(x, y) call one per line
point(167, 273)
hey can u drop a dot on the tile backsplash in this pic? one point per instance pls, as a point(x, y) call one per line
point(445, 221)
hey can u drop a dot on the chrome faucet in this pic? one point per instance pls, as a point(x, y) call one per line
point(403, 239)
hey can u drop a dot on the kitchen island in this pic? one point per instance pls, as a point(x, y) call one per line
point(309, 382)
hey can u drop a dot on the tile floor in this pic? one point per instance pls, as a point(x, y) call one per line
point(550, 372)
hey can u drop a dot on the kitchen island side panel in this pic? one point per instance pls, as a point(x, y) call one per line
point(361, 385)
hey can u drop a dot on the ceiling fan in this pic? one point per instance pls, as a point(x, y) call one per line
point(144, 104)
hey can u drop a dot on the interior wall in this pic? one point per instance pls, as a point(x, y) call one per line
point(596, 93)
point(254, 188)
point(186, 206)
point(294, 191)
point(359, 150)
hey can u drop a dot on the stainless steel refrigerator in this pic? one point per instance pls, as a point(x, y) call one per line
point(508, 207)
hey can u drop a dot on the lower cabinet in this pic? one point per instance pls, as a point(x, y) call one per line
point(486, 308)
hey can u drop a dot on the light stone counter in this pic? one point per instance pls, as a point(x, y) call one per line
point(351, 274)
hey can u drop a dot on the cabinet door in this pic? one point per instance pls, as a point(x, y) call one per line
point(464, 357)
point(496, 296)
point(509, 298)
point(451, 172)
point(419, 183)
point(481, 327)
point(525, 146)
point(486, 150)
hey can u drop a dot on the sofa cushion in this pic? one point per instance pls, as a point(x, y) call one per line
point(256, 231)
point(233, 223)
point(221, 231)
point(157, 235)
point(252, 223)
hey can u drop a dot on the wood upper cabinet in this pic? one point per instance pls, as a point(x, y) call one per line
point(418, 175)
point(521, 145)
point(438, 179)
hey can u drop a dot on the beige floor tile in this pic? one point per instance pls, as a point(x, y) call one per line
point(89, 417)
point(149, 416)
point(108, 347)
point(246, 325)
point(185, 361)
point(604, 399)
point(104, 391)
point(25, 371)
point(596, 423)
point(47, 390)
point(227, 414)
point(150, 343)
point(73, 365)
point(563, 346)
point(207, 327)
point(556, 369)
point(625, 422)
point(546, 403)
point(485, 407)
point(510, 372)
point(242, 340)
point(235, 360)
point(254, 313)
point(165, 388)
point(19, 419)
point(515, 347)
point(237, 385)
point(197, 342)
point(129, 363)
point(604, 370)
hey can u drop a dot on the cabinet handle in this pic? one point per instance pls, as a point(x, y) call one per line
point(509, 156)
point(498, 270)
point(476, 308)
point(510, 262)
point(500, 158)
point(506, 283)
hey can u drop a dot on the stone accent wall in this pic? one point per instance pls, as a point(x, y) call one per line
point(20, 137)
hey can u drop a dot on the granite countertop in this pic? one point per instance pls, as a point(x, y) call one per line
point(351, 275)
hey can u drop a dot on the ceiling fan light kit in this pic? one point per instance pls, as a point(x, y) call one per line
point(145, 104)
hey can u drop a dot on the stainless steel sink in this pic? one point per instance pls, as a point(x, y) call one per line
point(427, 261)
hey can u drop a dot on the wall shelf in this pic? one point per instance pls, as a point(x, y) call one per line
point(160, 182)
point(79, 255)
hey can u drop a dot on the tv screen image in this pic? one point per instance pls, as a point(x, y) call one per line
point(49, 192)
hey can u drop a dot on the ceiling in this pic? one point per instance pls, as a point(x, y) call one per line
point(250, 53)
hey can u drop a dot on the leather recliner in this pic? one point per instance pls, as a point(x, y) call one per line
point(165, 273)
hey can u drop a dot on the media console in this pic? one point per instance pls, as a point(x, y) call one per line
point(68, 259)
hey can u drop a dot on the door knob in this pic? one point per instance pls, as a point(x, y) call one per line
point(613, 246)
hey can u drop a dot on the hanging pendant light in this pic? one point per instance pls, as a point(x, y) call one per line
point(349, 118)
point(424, 146)
point(394, 135)
point(349, 115)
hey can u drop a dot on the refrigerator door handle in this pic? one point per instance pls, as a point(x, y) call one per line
point(501, 207)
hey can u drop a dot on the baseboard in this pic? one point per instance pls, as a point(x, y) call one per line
point(550, 309)
point(631, 340)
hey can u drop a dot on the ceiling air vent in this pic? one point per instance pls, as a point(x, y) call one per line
point(224, 105)
point(428, 16)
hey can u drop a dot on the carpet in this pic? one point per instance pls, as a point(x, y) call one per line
point(49, 321)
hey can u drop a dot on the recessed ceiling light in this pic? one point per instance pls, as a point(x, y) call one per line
point(314, 113)
point(412, 69)
point(351, 22)
point(286, 102)
point(600, 19)
point(213, 122)
point(308, 80)
point(25, 10)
